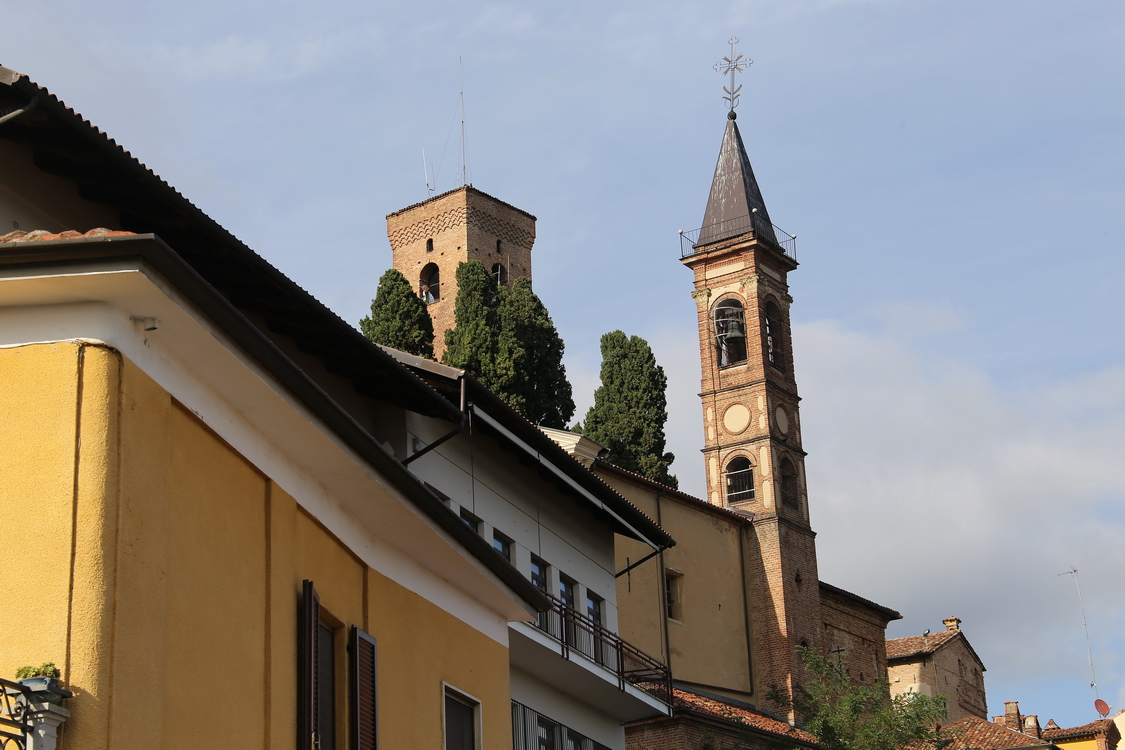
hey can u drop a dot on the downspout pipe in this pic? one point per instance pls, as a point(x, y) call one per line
point(456, 431)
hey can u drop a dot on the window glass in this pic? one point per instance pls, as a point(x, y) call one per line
point(673, 593)
point(460, 723)
point(566, 591)
point(539, 573)
point(546, 733)
point(594, 607)
point(503, 545)
point(470, 520)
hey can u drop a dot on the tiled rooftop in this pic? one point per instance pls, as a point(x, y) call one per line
point(976, 733)
point(1094, 727)
point(740, 714)
point(42, 235)
point(898, 648)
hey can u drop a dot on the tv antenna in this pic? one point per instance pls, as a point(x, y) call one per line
point(1089, 652)
point(429, 175)
point(464, 149)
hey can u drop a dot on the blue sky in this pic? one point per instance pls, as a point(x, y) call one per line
point(953, 171)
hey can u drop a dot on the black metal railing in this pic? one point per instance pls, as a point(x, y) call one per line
point(577, 632)
point(532, 730)
point(700, 240)
point(14, 727)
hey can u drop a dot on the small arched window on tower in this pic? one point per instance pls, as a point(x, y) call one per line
point(789, 484)
point(498, 246)
point(775, 337)
point(429, 245)
point(730, 332)
point(429, 284)
point(500, 274)
point(740, 480)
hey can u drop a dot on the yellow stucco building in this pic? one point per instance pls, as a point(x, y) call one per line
point(201, 527)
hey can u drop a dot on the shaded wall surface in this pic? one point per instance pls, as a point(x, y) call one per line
point(162, 572)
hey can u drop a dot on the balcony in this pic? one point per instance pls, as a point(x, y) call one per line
point(701, 240)
point(14, 726)
point(532, 730)
point(596, 665)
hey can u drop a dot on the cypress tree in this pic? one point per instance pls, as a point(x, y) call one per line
point(471, 345)
point(528, 371)
point(630, 408)
point(399, 319)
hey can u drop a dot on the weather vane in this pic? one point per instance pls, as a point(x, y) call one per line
point(732, 64)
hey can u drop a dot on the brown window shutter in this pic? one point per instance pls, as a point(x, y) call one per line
point(308, 622)
point(364, 720)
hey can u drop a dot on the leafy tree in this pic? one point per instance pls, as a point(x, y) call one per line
point(528, 371)
point(471, 345)
point(399, 319)
point(845, 716)
point(506, 337)
point(630, 408)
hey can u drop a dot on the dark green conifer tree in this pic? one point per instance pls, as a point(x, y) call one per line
point(630, 408)
point(471, 345)
point(399, 318)
point(528, 371)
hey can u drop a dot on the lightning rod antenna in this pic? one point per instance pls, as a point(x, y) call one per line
point(1089, 652)
point(464, 150)
point(426, 175)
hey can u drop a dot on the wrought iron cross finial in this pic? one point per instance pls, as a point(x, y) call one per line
point(732, 64)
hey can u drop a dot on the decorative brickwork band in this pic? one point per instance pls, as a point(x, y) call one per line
point(457, 217)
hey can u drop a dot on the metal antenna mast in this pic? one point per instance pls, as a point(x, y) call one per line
point(1089, 652)
point(464, 150)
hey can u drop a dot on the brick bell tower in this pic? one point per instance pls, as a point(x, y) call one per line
point(754, 461)
point(430, 239)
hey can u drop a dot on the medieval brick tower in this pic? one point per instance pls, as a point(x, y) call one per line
point(753, 455)
point(430, 239)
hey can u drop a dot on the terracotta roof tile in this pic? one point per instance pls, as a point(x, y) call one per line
point(898, 648)
point(42, 235)
point(1094, 727)
point(739, 714)
point(974, 732)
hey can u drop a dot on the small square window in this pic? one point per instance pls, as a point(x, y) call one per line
point(539, 573)
point(470, 520)
point(503, 545)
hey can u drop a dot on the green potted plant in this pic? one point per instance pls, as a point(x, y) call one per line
point(44, 682)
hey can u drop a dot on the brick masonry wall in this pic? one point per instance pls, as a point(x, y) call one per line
point(463, 224)
point(858, 633)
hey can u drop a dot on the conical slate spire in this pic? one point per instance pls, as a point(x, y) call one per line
point(735, 205)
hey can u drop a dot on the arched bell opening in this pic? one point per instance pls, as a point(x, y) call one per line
point(730, 332)
point(429, 284)
point(739, 474)
point(789, 492)
point(775, 335)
